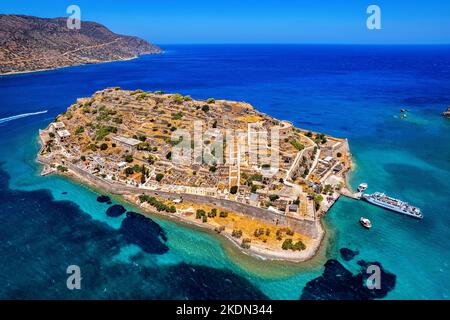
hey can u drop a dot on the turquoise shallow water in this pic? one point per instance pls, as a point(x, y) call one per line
point(353, 92)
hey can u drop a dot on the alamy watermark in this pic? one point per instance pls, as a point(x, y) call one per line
point(74, 280)
point(374, 20)
point(374, 280)
point(74, 20)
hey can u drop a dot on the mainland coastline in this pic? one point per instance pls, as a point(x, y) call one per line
point(276, 232)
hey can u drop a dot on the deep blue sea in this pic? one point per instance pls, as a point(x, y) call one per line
point(49, 223)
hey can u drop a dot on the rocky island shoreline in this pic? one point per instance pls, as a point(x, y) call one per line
point(125, 143)
point(446, 113)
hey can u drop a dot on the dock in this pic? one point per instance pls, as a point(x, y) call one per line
point(347, 193)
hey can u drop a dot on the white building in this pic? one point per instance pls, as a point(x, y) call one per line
point(127, 143)
point(63, 134)
point(57, 126)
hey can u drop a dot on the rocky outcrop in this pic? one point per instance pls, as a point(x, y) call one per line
point(446, 113)
point(30, 43)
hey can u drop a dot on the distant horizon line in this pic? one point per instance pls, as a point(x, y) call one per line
point(296, 43)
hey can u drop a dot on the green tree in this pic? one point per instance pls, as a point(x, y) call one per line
point(129, 171)
point(234, 189)
point(287, 244)
point(200, 213)
point(159, 177)
point(273, 197)
point(299, 246)
point(128, 158)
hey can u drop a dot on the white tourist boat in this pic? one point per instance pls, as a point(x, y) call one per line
point(365, 223)
point(381, 200)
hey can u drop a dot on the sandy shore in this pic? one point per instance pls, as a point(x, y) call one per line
point(72, 65)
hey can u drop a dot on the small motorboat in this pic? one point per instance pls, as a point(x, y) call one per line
point(365, 223)
point(362, 187)
point(403, 116)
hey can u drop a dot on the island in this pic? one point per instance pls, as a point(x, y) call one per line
point(30, 44)
point(222, 165)
point(446, 113)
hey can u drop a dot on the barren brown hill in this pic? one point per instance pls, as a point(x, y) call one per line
point(30, 43)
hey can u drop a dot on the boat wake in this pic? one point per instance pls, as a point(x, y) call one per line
point(19, 116)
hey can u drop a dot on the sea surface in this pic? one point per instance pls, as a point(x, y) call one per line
point(356, 92)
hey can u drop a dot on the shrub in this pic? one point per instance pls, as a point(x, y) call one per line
point(297, 145)
point(234, 189)
point(136, 92)
point(200, 213)
point(205, 108)
point(259, 232)
point(223, 214)
point(177, 116)
point(128, 158)
point(178, 98)
point(118, 120)
point(79, 130)
point(245, 244)
point(211, 100)
point(213, 213)
point(273, 197)
point(159, 177)
point(103, 131)
point(103, 146)
point(287, 244)
point(236, 233)
point(299, 246)
point(339, 155)
point(62, 168)
point(129, 171)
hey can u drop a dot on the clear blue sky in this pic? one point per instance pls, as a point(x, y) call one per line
point(257, 21)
